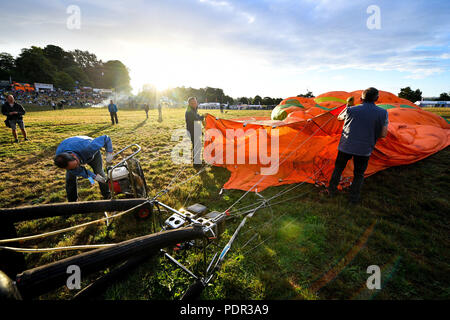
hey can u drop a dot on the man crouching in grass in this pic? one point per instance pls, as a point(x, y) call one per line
point(14, 116)
point(74, 152)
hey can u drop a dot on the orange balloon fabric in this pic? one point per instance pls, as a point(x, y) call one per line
point(307, 134)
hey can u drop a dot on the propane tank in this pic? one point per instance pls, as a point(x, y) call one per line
point(118, 175)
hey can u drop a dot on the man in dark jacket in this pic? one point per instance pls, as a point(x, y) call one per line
point(194, 128)
point(160, 119)
point(14, 116)
point(363, 125)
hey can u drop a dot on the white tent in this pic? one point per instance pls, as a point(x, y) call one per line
point(43, 86)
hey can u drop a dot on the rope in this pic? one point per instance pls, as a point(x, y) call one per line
point(181, 170)
point(279, 163)
point(40, 250)
point(47, 234)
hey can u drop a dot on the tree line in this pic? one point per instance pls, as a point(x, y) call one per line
point(64, 69)
point(207, 94)
point(416, 95)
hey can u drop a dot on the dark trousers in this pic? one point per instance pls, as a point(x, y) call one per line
point(114, 117)
point(71, 180)
point(360, 166)
point(196, 146)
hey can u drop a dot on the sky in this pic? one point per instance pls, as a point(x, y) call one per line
point(277, 48)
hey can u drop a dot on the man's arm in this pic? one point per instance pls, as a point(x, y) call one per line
point(100, 142)
point(384, 129)
point(21, 110)
point(83, 172)
point(200, 117)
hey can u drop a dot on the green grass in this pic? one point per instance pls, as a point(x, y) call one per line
point(311, 247)
point(443, 112)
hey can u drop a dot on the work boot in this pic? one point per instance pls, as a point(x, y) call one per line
point(332, 192)
point(354, 200)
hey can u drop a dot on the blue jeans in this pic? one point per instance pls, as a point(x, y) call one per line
point(71, 180)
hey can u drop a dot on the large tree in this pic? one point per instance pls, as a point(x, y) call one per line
point(85, 59)
point(115, 75)
point(7, 65)
point(268, 101)
point(257, 100)
point(78, 75)
point(409, 94)
point(444, 96)
point(64, 81)
point(58, 57)
point(308, 94)
point(33, 66)
point(244, 100)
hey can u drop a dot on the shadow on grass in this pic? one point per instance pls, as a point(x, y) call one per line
point(139, 125)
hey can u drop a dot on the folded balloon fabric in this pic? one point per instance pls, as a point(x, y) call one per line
point(298, 143)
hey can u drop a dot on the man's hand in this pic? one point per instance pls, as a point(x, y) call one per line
point(384, 132)
point(109, 157)
point(100, 178)
point(341, 115)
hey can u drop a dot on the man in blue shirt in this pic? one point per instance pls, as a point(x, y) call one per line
point(74, 152)
point(112, 108)
point(363, 125)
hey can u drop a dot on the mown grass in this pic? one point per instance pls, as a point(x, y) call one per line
point(310, 247)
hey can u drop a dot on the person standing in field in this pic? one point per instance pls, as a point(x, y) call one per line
point(14, 113)
point(72, 153)
point(146, 108)
point(363, 125)
point(194, 128)
point(112, 108)
point(160, 119)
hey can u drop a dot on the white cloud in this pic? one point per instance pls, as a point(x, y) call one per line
point(225, 5)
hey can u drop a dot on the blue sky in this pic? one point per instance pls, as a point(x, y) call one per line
point(272, 48)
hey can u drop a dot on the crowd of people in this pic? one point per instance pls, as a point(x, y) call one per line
point(56, 99)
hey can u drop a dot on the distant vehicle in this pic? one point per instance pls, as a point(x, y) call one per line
point(434, 104)
point(209, 105)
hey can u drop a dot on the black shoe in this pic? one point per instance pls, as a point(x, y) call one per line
point(332, 192)
point(26, 139)
point(16, 141)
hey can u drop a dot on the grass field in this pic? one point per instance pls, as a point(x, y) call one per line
point(310, 247)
